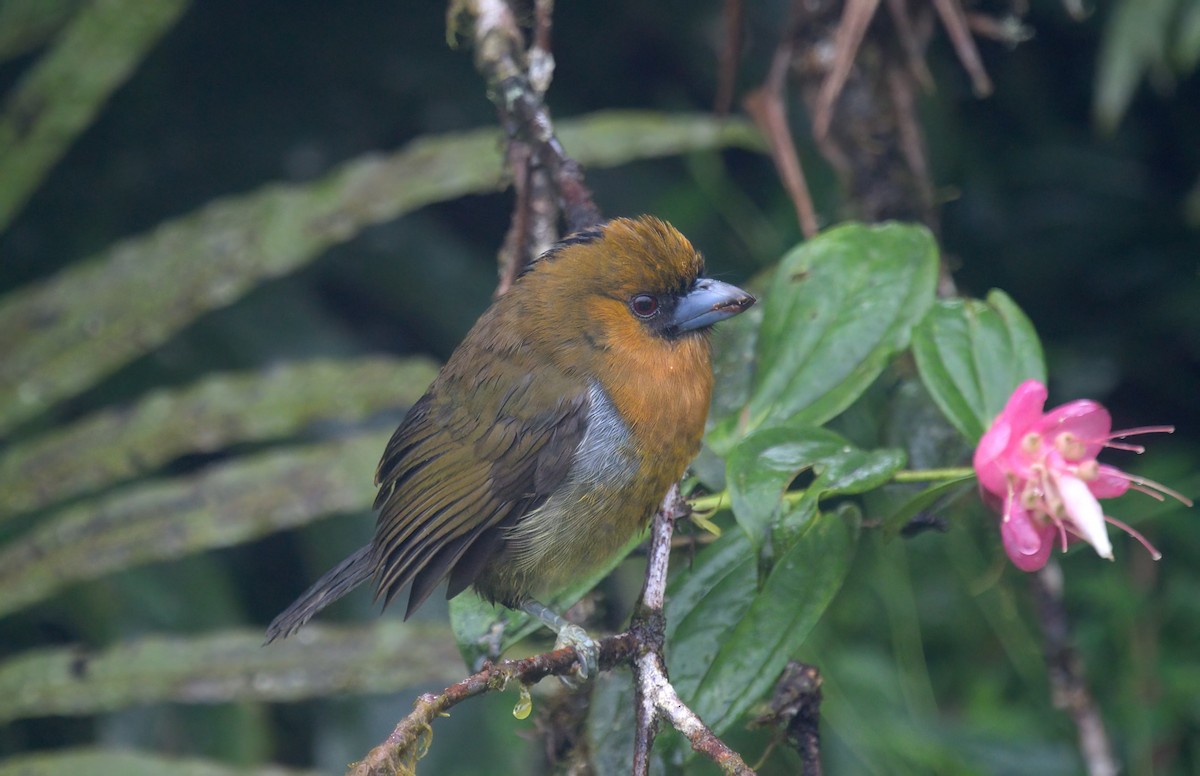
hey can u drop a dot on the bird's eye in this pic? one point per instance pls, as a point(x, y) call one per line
point(643, 305)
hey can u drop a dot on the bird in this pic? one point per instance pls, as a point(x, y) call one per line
point(551, 434)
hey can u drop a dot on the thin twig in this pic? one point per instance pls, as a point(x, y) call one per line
point(733, 19)
point(1068, 686)
point(656, 698)
point(407, 741)
point(501, 58)
point(856, 17)
point(912, 41)
point(954, 19)
point(767, 107)
point(795, 708)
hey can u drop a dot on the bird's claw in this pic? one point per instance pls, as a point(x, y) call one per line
point(588, 651)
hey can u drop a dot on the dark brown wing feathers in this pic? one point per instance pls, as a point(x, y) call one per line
point(455, 474)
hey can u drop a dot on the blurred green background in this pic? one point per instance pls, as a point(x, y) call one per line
point(1075, 188)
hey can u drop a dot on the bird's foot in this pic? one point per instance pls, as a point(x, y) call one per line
point(586, 648)
point(573, 636)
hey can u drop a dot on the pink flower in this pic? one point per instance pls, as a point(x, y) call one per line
point(1039, 470)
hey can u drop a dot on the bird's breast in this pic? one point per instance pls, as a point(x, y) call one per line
point(588, 517)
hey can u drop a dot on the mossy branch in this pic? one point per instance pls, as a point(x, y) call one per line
point(223, 505)
point(221, 410)
point(57, 338)
point(227, 667)
point(91, 761)
point(62, 93)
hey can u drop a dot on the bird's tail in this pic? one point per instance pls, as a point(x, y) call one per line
point(338, 581)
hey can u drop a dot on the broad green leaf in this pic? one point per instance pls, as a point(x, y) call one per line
point(483, 630)
point(794, 596)
point(226, 504)
point(972, 354)
point(840, 307)
point(95, 761)
point(225, 668)
point(705, 602)
point(59, 337)
point(220, 410)
point(64, 91)
point(764, 464)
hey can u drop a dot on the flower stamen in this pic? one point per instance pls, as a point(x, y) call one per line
point(1043, 467)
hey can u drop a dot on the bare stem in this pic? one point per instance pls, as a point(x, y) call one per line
point(656, 697)
point(1067, 683)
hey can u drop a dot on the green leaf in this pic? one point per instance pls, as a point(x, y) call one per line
point(59, 337)
point(972, 355)
point(764, 464)
point(791, 601)
point(840, 307)
point(225, 668)
point(223, 505)
point(483, 630)
point(95, 761)
point(220, 410)
point(705, 602)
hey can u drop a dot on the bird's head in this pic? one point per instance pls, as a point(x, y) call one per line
point(630, 281)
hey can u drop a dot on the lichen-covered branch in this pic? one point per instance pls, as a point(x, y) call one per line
point(795, 710)
point(517, 79)
point(61, 94)
point(97, 760)
point(60, 336)
point(223, 505)
point(656, 697)
point(407, 741)
point(226, 667)
point(113, 445)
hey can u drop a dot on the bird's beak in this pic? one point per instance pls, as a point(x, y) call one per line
point(707, 302)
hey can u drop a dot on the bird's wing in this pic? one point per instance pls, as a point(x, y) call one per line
point(470, 457)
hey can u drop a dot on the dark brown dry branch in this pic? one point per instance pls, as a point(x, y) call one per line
point(847, 40)
point(862, 100)
point(795, 708)
point(1068, 686)
point(767, 106)
point(954, 19)
point(859, 72)
point(733, 21)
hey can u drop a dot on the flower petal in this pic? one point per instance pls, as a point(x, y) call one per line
point(1110, 482)
point(989, 460)
point(1024, 407)
point(998, 451)
point(1087, 420)
point(1027, 544)
point(1087, 518)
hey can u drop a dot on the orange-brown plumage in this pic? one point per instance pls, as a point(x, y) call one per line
point(554, 429)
